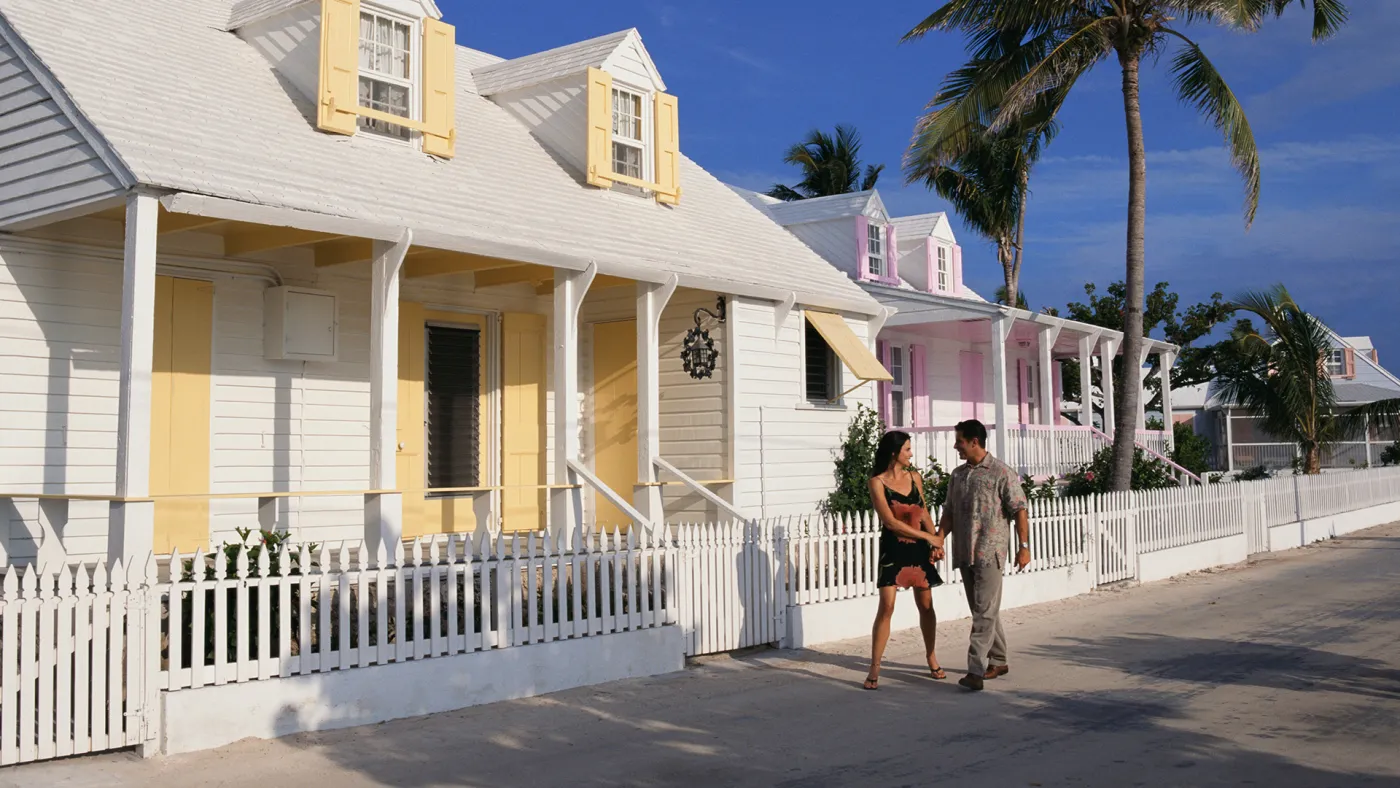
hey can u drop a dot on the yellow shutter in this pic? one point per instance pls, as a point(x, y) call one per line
point(340, 66)
point(439, 88)
point(599, 162)
point(409, 467)
point(180, 411)
point(523, 421)
point(668, 150)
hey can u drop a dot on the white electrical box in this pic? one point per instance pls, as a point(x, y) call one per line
point(300, 324)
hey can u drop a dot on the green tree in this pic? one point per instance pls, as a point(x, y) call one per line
point(985, 176)
point(854, 461)
point(1196, 362)
point(1024, 50)
point(1189, 450)
point(1282, 378)
point(830, 165)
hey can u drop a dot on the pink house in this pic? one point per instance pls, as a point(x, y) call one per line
point(953, 354)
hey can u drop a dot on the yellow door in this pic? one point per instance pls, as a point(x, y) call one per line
point(433, 513)
point(180, 395)
point(523, 421)
point(615, 414)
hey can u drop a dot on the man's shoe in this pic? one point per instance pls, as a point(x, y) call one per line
point(971, 681)
point(996, 670)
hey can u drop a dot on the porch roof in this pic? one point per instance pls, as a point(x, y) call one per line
point(197, 111)
point(961, 318)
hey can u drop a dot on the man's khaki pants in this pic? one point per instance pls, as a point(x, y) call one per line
point(988, 643)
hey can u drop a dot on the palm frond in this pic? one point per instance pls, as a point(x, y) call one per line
point(1059, 68)
point(784, 193)
point(872, 174)
point(1329, 16)
point(1198, 83)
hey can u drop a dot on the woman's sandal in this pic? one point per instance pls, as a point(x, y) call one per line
point(872, 682)
point(938, 673)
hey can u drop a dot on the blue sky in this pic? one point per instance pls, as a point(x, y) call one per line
point(755, 77)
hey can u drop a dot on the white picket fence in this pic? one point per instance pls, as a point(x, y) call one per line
point(84, 652)
point(339, 607)
point(75, 670)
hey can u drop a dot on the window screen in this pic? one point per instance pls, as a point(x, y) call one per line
point(453, 408)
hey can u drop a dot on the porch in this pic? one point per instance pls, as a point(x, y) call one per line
point(937, 350)
point(339, 380)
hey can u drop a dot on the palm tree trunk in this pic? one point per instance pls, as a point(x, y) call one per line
point(1312, 460)
point(1005, 256)
point(1014, 281)
point(1121, 474)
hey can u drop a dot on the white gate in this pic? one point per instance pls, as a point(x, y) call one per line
point(732, 586)
point(1116, 536)
point(74, 673)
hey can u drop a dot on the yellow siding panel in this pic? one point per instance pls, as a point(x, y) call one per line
point(668, 150)
point(180, 411)
point(340, 66)
point(523, 421)
point(615, 414)
point(439, 88)
point(599, 159)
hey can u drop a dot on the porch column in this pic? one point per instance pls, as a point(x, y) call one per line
point(1164, 373)
point(1001, 331)
point(1049, 407)
point(384, 510)
point(1086, 379)
point(1142, 374)
point(570, 287)
point(651, 302)
point(131, 524)
point(1107, 350)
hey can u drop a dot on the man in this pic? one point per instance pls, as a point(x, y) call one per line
point(983, 495)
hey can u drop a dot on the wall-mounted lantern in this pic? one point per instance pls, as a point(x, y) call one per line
point(698, 354)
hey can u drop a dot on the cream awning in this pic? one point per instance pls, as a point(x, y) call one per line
point(854, 353)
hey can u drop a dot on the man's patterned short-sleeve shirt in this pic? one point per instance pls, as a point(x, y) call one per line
point(982, 499)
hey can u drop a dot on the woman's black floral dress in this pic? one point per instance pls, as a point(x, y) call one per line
point(906, 563)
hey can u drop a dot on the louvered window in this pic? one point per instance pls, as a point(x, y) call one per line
point(453, 409)
point(821, 369)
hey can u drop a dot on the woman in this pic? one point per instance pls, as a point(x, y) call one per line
point(909, 546)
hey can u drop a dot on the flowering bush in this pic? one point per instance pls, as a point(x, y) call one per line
point(1149, 473)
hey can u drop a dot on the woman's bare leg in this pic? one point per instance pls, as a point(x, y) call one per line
point(928, 624)
point(880, 632)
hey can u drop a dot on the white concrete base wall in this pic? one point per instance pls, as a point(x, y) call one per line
point(1174, 561)
point(199, 719)
point(826, 622)
point(1291, 535)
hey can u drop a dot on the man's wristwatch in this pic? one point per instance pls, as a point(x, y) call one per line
point(1025, 545)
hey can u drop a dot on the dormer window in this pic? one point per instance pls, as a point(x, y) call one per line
point(875, 249)
point(945, 270)
point(1337, 363)
point(628, 134)
point(387, 78)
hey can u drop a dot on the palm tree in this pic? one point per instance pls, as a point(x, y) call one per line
point(1281, 377)
point(1026, 49)
point(985, 176)
point(830, 165)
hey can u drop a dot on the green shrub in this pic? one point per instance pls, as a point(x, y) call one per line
point(1149, 473)
point(853, 463)
point(1257, 473)
point(1390, 455)
point(1190, 451)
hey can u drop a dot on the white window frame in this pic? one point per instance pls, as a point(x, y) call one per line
point(835, 374)
point(876, 251)
point(414, 83)
point(1337, 362)
point(944, 268)
point(900, 356)
point(645, 145)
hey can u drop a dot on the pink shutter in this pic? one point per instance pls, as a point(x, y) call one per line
point(1023, 386)
point(931, 257)
point(1350, 364)
point(972, 375)
point(1059, 393)
point(919, 380)
point(886, 394)
point(862, 248)
point(892, 254)
point(957, 270)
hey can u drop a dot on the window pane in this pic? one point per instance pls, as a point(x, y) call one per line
point(896, 409)
point(897, 365)
point(820, 375)
point(453, 407)
point(385, 97)
point(627, 115)
point(627, 160)
point(877, 266)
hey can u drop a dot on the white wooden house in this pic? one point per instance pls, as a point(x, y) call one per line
point(952, 354)
point(315, 266)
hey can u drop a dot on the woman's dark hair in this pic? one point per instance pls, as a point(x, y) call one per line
point(889, 448)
